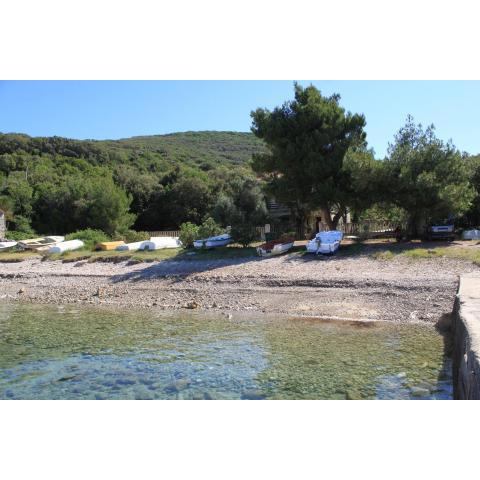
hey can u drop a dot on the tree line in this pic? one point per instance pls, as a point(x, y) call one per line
point(309, 153)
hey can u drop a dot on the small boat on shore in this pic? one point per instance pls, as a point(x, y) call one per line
point(41, 243)
point(155, 243)
point(107, 246)
point(67, 246)
point(212, 242)
point(275, 247)
point(325, 242)
point(7, 245)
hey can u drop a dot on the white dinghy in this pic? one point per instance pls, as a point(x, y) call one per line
point(41, 243)
point(158, 243)
point(67, 246)
point(212, 242)
point(131, 247)
point(325, 242)
point(7, 245)
point(275, 247)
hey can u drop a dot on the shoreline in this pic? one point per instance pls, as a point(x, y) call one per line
point(349, 288)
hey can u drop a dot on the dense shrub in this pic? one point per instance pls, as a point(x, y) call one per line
point(131, 236)
point(188, 233)
point(89, 236)
point(209, 228)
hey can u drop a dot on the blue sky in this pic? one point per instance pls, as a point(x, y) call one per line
point(119, 109)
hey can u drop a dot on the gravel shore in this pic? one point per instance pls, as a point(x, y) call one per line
point(358, 287)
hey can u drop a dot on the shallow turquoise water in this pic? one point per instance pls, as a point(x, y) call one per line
point(90, 353)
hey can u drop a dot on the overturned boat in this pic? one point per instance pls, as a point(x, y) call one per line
point(41, 243)
point(7, 245)
point(275, 247)
point(325, 242)
point(155, 243)
point(67, 246)
point(212, 242)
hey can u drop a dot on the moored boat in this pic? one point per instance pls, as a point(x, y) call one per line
point(325, 242)
point(275, 247)
point(212, 242)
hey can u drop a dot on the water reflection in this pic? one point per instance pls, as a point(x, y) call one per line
point(66, 352)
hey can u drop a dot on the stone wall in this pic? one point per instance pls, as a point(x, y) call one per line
point(466, 338)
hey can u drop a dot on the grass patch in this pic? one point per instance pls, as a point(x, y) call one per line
point(383, 255)
point(14, 257)
point(469, 254)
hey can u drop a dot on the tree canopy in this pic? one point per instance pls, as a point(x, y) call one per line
point(307, 139)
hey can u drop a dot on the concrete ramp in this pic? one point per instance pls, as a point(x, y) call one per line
point(466, 331)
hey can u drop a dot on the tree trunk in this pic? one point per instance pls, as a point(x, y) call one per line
point(326, 217)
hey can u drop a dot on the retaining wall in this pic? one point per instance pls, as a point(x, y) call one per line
point(466, 338)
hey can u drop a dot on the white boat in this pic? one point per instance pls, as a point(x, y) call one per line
point(131, 247)
point(325, 242)
point(159, 243)
point(275, 247)
point(212, 242)
point(6, 245)
point(67, 246)
point(40, 243)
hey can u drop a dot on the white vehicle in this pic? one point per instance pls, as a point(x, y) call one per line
point(325, 242)
point(212, 242)
point(471, 235)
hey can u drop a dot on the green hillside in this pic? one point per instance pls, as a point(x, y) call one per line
point(57, 184)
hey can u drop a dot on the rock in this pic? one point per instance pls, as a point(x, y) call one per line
point(192, 305)
point(22, 290)
point(353, 395)
point(253, 394)
point(177, 385)
point(419, 391)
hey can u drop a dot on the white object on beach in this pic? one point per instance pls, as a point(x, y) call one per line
point(66, 246)
point(7, 244)
point(471, 235)
point(131, 247)
point(325, 242)
point(277, 249)
point(40, 243)
point(212, 242)
point(157, 243)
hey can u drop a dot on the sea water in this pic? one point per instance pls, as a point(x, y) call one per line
point(67, 352)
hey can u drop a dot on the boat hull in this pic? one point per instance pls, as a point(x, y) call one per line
point(277, 249)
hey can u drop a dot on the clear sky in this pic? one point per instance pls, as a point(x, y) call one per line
point(119, 109)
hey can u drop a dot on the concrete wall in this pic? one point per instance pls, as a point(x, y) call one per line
point(466, 338)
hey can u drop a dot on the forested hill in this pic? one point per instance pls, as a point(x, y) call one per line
point(55, 184)
point(202, 149)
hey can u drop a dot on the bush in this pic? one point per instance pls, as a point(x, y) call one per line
point(209, 228)
point(188, 233)
point(17, 235)
point(243, 233)
point(89, 236)
point(131, 236)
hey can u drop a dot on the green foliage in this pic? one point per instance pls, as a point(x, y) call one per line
point(209, 228)
point(62, 185)
point(426, 177)
point(20, 234)
point(242, 208)
point(131, 236)
point(307, 140)
point(89, 236)
point(188, 233)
